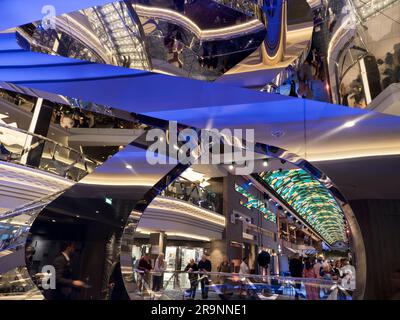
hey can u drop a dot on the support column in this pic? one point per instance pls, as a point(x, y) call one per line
point(158, 242)
point(40, 124)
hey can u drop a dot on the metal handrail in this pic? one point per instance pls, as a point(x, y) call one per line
point(242, 275)
point(32, 205)
point(57, 144)
point(168, 190)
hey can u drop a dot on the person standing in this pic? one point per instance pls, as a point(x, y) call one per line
point(296, 271)
point(159, 268)
point(244, 266)
point(244, 270)
point(317, 267)
point(292, 92)
point(62, 266)
point(193, 277)
point(224, 267)
point(348, 277)
point(312, 289)
point(145, 267)
point(204, 266)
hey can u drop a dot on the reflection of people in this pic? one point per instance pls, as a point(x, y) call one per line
point(62, 265)
point(204, 266)
point(159, 268)
point(4, 153)
point(193, 277)
point(292, 92)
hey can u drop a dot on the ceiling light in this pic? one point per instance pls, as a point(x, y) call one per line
point(204, 184)
point(53, 220)
point(230, 167)
point(128, 166)
point(191, 175)
point(265, 163)
point(349, 124)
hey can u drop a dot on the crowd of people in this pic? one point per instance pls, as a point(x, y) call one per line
point(197, 273)
point(340, 271)
point(68, 117)
point(389, 67)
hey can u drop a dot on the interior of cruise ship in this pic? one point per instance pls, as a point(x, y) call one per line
point(208, 150)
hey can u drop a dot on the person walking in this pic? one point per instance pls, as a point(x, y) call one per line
point(204, 266)
point(193, 278)
point(312, 289)
point(159, 268)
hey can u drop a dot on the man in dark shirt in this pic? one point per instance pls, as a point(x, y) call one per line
point(193, 277)
point(62, 266)
point(145, 267)
point(204, 265)
point(296, 271)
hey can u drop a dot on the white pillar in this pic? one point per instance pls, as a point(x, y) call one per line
point(32, 127)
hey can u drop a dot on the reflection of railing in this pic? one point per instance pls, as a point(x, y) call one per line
point(17, 284)
point(287, 73)
point(186, 190)
point(177, 285)
point(369, 8)
point(15, 223)
point(16, 101)
point(55, 157)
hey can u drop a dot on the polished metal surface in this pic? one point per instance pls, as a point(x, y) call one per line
point(199, 40)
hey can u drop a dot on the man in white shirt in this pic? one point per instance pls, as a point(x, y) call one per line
point(348, 274)
point(244, 266)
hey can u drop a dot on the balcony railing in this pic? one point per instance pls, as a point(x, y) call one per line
point(16, 145)
point(186, 190)
point(182, 285)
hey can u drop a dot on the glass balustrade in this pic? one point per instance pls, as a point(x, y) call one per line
point(17, 285)
point(18, 146)
point(186, 190)
point(182, 285)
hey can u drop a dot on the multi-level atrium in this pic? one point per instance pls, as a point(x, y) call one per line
point(230, 149)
